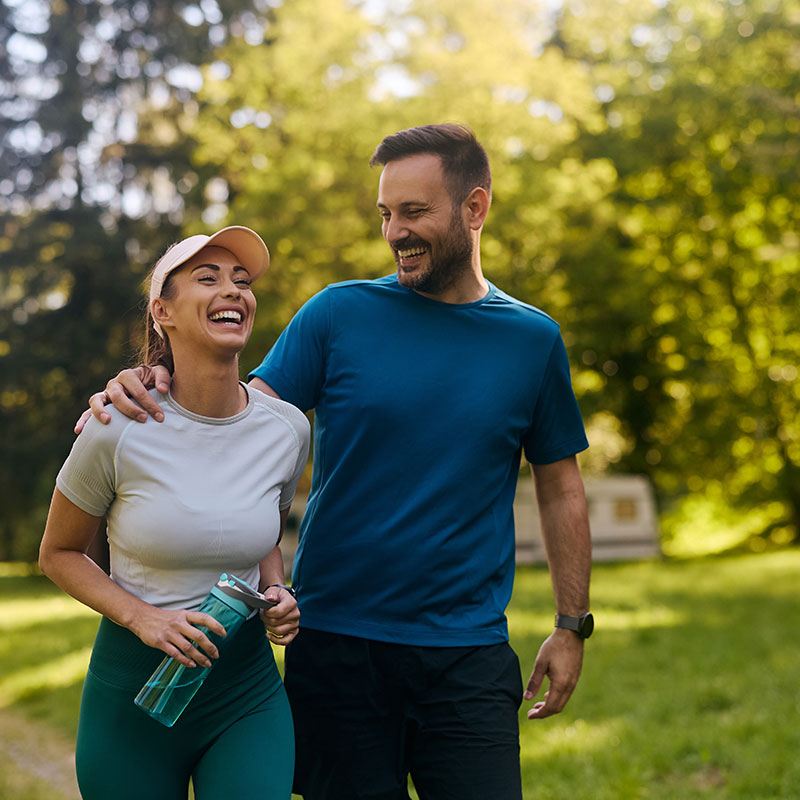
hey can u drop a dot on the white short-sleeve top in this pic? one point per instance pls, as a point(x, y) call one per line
point(190, 497)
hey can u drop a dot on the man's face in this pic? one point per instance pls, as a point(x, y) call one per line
point(430, 240)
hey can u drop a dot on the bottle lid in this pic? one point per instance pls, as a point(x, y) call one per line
point(242, 591)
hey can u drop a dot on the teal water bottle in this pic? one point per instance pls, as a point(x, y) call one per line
point(168, 691)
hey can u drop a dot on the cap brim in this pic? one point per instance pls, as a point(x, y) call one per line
point(246, 245)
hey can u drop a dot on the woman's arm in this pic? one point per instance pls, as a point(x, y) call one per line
point(281, 621)
point(62, 557)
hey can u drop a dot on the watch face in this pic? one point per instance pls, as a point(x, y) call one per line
point(586, 626)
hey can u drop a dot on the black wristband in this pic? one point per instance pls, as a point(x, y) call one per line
point(292, 592)
point(582, 626)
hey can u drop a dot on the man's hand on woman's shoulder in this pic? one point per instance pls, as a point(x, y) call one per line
point(129, 393)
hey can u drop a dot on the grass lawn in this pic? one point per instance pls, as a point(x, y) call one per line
point(689, 688)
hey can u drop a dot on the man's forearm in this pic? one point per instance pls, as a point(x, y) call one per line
point(565, 530)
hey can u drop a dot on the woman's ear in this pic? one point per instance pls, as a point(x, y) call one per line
point(160, 312)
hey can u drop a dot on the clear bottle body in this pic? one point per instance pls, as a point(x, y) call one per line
point(171, 687)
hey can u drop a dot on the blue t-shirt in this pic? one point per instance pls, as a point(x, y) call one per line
point(422, 409)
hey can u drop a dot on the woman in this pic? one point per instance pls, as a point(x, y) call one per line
point(205, 491)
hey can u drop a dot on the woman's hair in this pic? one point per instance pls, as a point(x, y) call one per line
point(156, 350)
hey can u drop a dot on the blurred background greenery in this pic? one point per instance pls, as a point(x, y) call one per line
point(647, 194)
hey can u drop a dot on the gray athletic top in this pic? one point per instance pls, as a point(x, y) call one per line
point(190, 497)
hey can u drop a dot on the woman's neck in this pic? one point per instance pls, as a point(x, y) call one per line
point(208, 388)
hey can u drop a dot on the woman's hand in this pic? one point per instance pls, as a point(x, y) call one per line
point(176, 633)
point(283, 620)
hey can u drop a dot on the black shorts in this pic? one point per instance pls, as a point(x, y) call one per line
point(368, 713)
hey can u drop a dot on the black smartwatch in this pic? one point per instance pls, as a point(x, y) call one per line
point(582, 625)
point(289, 589)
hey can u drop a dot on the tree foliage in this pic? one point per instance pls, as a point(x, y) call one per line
point(645, 159)
point(702, 104)
point(88, 194)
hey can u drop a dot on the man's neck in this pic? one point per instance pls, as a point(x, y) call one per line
point(459, 295)
point(470, 287)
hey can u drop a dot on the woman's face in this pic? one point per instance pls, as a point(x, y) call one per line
point(210, 302)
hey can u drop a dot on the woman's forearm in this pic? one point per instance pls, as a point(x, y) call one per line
point(62, 557)
point(271, 569)
point(81, 578)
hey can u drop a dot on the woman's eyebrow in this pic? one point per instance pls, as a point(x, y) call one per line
point(216, 267)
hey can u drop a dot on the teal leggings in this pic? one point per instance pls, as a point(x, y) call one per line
point(235, 739)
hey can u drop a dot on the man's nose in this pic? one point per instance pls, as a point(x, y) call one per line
point(395, 231)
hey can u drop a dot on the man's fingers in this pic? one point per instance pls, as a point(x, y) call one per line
point(130, 396)
point(123, 403)
point(555, 698)
point(535, 682)
point(162, 379)
point(101, 414)
point(554, 702)
point(539, 711)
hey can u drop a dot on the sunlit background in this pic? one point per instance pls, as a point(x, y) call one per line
point(647, 178)
point(646, 166)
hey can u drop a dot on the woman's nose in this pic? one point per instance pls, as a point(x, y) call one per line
point(232, 289)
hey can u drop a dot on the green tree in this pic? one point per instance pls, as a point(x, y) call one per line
point(309, 110)
point(93, 164)
point(695, 346)
point(646, 195)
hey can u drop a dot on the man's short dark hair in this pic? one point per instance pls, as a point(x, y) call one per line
point(464, 161)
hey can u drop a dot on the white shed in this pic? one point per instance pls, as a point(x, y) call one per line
point(622, 518)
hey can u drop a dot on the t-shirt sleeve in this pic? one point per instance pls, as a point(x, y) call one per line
point(295, 366)
point(557, 428)
point(88, 477)
point(303, 430)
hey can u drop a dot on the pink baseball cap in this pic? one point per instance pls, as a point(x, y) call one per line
point(245, 244)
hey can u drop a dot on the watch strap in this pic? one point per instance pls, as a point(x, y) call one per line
point(570, 623)
point(582, 626)
point(292, 591)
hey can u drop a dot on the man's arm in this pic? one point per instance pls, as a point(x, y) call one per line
point(263, 386)
point(565, 529)
point(128, 392)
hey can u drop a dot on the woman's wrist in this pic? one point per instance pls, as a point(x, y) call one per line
point(289, 589)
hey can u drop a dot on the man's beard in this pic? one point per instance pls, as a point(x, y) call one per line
point(452, 259)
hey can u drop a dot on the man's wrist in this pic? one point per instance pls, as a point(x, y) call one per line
point(581, 626)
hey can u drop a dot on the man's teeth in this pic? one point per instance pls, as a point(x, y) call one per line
point(416, 251)
point(226, 316)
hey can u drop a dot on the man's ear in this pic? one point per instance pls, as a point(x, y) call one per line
point(476, 206)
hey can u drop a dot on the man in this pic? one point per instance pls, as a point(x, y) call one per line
point(427, 385)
